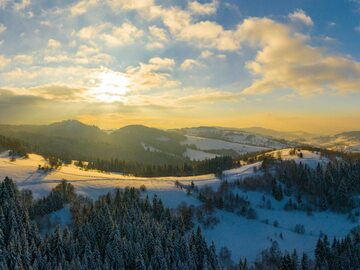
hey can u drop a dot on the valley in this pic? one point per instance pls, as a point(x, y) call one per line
point(244, 237)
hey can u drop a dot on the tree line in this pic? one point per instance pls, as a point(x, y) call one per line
point(332, 185)
point(16, 147)
point(215, 165)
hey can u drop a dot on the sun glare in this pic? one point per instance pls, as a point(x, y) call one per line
point(109, 86)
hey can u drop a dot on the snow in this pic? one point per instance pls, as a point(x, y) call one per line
point(244, 237)
point(149, 148)
point(312, 159)
point(338, 142)
point(247, 238)
point(214, 144)
point(91, 183)
point(94, 183)
point(355, 148)
point(198, 155)
point(236, 136)
point(172, 198)
point(246, 138)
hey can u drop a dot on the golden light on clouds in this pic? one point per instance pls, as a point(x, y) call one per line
point(168, 64)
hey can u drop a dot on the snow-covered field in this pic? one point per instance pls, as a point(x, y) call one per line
point(309, 158)
point(244, 237)
point(236, 136)
point(198, 155)
point(202, 143)
point(91, 183)
point(340, 142)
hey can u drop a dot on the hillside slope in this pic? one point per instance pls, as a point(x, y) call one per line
point(345, 141)
point(237, 136)
point(73, 140)
point(244, 237)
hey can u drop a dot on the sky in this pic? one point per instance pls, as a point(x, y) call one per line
point(287, 64)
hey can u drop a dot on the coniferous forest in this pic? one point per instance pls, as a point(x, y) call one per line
point(123, 230)
point(327, 186)
point(215, 165)
point(118, 231)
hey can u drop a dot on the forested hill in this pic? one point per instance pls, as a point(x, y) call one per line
point(73, 140)
point(119, 231)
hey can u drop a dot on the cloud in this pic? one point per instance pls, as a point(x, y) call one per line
point(24, 58)
point(14, 108)
point(357, 28)
point(300, 16)
point(57, 92)
point(112, 36)
point(154, 45)
point(125, 34)
point(174, 18)
point(58, 58)
point(48, 103)
point(20, 6)
point(130, 4)
point(152, 75)
point(90, 54)
point(53, 44)
point(155, 74)
point(181, 98)
point(2, 28)
point(203, 9)
point(205, 34)
point(40, 75)
point(3, 4)
point(285, 60)
point(209, 95)
point(4, 61)
point(91, 32)
point(189, 64)
point(158, 33)
point(206, 54)
point(158, 37)
point(21, 107)
point(84, 55)
point(82, 7)
point(158, 62)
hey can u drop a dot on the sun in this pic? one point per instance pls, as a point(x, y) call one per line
point(109, 86)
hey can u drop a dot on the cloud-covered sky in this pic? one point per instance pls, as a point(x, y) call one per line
point(286, 64)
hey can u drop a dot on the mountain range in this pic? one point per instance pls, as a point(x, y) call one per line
point(72, 139)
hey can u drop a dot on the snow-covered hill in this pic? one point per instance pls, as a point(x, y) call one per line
point(346, 141)
point(307, 157)
point(237, 136)
point(24, 171)
point(209, 141)
point(209, 145)
point(245, 237)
